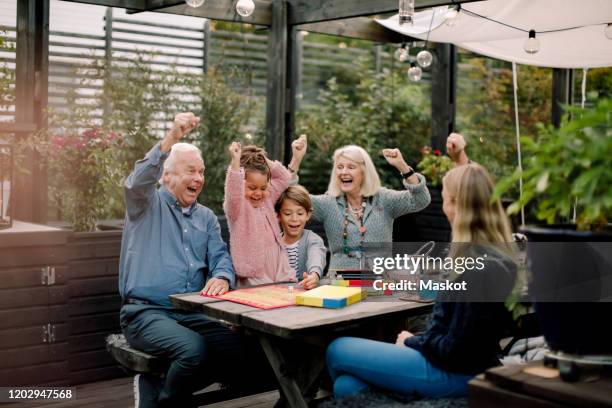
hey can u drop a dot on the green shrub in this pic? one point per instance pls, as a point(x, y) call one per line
point(569, 166)
point(383, 110)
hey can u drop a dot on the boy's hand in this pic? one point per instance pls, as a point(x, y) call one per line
point(309, 280)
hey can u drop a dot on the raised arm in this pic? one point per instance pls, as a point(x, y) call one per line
point(139, 187)
point(234, 183)
point(394, 157)
point(298, 150)
point(416, 196)
point(280, 179)
point(455, 147)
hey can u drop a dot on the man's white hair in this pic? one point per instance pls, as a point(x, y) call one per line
point(173, 157)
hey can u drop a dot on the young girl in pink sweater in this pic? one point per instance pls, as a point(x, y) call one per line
point(252, 186)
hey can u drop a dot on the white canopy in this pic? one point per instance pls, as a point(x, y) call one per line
point(580, 41)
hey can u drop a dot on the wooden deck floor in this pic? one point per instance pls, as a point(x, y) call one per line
point(118, 393)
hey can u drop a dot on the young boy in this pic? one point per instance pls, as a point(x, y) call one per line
point(305, 249)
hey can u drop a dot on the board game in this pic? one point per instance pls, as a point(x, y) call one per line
point(264, 297)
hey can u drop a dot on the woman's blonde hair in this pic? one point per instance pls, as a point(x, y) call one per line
point(371, 180)
point(478, 220)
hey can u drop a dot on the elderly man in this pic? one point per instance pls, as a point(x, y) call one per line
point(171, 244)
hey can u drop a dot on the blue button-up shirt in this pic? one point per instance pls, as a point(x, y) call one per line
point(164, 249)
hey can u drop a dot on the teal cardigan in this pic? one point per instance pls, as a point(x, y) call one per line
point(380, 211)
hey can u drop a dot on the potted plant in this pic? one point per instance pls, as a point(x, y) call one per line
point(434, 166)
point(567, 177)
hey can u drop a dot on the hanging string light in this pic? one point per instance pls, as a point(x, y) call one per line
point(245, 7)
point(402, 53)
point(194, 3)
point(406, 11)
point(452, 15)
point(532, 44)
point(415, 73)
point(424, 57)
point(608, 31)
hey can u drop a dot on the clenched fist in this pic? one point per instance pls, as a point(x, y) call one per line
point(183, 124)
point(395, 158)
point(235, 151)
point(455, 143)
point(299, 146)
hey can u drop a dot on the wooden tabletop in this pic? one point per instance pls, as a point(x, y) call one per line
point(296, 320)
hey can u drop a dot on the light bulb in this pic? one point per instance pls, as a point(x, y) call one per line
point(406, 11)
point(424, 58)
point(608, 31)
point(194, 3)
point(415, 73)
point(245, 7)
point(401, 54)
point(532, 44)
point(452, 15)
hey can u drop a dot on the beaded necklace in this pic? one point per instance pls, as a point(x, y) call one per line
point(359, 214)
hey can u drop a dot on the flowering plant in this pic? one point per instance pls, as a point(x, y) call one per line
point(82, 168)
point(434, 165)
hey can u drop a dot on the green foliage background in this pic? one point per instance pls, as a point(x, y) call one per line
point(356, 106)
point(369, 109)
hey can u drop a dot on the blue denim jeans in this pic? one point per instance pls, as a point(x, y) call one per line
point(201, 350)
point(355, 364)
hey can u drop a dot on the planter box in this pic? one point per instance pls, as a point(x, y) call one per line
point(93, 304)
point(568, 280)
point(34, 324)
point(52, 330)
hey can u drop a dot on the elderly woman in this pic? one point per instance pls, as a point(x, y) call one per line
point(356, 209)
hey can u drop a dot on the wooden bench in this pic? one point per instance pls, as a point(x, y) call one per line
point(132, 360)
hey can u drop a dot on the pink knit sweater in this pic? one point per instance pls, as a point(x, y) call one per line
point(255, 240)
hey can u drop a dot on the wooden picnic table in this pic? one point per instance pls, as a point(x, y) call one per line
point(295, 338)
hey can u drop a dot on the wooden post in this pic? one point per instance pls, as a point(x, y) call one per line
point(443, 88)
point(108, 57)
point(206, 46)
point(562, 93)
point(277, 81)
point(294, 68)
point(31, 97)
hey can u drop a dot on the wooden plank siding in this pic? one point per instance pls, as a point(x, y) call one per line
point(93, 304)
point(28, 306)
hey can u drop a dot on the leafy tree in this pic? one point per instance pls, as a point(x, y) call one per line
point(485, 109)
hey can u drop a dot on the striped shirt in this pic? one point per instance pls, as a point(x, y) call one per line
point(293, 255)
